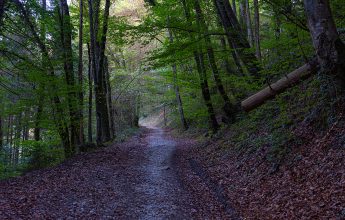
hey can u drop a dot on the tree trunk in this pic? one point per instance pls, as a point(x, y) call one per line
point(109, 98)
point(2, 10)
point(9, 122)
point(199, 60)
point(97, 54)
point(249, 24)
point(242, 15)
point(176, 87)
point(228, 107)
point(164, 115)
point(330, 50)
point(234, 7)
point(236, 37)
point(257, 29)
point(17, 134)
point(89, 127)
point(37, 129)
point(1, 133)
point(281, 85)
point(80, 74)
point(66, 34)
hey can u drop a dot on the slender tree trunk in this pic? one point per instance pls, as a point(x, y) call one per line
point(242, 15)
point(11, 138)
point(228, 107)
point(164, 115)
point(176, 87)
point(234, 7)
point(2, 10)
point(93, 55)
point(97, 54)
point(17, 135)
point(66, 34)
point(37, 129)
point(199, 60)
point(80, 74)
point(257, 29)
point(1, 133)
point(89, 127)
point(109, 98)
point(9, 122)
point(249, 24)
point(330, 50)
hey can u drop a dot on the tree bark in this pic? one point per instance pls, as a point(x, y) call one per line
point(9, 121)
point(257, 29)
point(73, 101)
point(97, 54)
point(330, 50)
point(236, 37)
point(228, 108)
point(109, 98)
point(234, 7)
point(242, 14)
point(2, 10)
point(37, 129)
point(80, 74)
point(199, 60)
point(89, 127)
point(249, 24)
point(1, 133)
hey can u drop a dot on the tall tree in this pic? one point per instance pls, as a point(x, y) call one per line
point(80, 72)
point(236, 37)
point(109, 98)
point(201, 69)
point(73, 104)
point(1, 132)
point(228, 108)
point(234, 7)
point(39, 112)
point(2, 10)
point(330, 49)
point(257, 29)
point(176, 86)
point(249, 24)
point(89, 124)
point(98, 56)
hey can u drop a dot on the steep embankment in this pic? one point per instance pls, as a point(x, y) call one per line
point(308, 183)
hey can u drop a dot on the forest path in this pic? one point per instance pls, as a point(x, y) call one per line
point(136, 179)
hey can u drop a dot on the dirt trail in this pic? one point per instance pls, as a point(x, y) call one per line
point(133, 180)
point(160, 190)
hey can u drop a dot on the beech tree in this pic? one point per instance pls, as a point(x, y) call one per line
point(329, 48)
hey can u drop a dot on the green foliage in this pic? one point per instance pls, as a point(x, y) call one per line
point(41, 154)
point(125, 134)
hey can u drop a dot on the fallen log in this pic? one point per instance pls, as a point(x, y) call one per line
point(280, 86)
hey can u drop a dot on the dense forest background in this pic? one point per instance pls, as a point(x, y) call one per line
point(75, 75)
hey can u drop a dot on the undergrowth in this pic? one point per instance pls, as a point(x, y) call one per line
point(272, 125)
